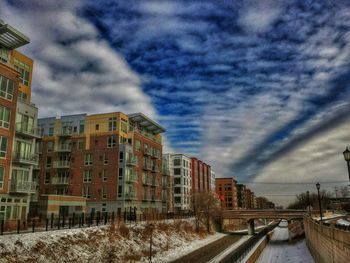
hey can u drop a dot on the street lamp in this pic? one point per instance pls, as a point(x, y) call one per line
point(319, 198)
point(346, 154)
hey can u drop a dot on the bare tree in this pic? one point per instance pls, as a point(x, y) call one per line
point(206, 206)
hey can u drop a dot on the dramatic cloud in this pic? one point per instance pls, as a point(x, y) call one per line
point(255, 88)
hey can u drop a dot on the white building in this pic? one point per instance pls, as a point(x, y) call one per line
point(181, 166)
point(212, 181)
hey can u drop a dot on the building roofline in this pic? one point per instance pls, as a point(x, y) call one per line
point(10, 37)
point(146, 122)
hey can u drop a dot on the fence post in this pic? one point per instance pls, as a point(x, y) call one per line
point(98, 217)
point(63, 220)
point(73, 219)
point(79, 221)
point(39, 217)
point(33, 225)
point(69, 223)
point(82, 219)
point(113, 217)
point(18, 225)
point(47, 224)
point(106, 217)
point(51, 220)
point(91, 217)
point(2, 227)
point(59, 221)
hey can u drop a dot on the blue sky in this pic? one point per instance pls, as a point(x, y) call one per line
point(259, 89)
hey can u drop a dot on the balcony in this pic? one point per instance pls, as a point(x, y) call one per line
point(147, 166)
point(132, 178)
point(147, 151)
point(64, 148)
point(146, 197)
point(24, 187)
point(23, 158)
point(155, 169)
point(165, 170)
point(61, 164)
point(131, 161)
point(60, 180)
point(28, 130)
point(154, 182)
point(146, 181)
point(130, 196)
point(165, 184)
point(64, 132)
point(155, 154)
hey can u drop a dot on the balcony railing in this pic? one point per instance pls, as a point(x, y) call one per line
point(146, 181)
point(147, 166)
point(132, 161)
point(154, 182)
point(28, 130)
point(146, 134)
point(64, 132)
point(64, 148)
point(130, 196)
point(155, 169)
point(22, 158)
point(61, 164)
point(60, 180)
point(147, 151)
point(132, 178)
point(23, 187)
point(155, 154)
point(165, 171)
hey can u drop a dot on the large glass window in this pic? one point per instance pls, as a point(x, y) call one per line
point(112, 141)
point(112, 124)
point(87, 192)
point(6, 88)
point(5, 115)
point(137, 145)
point(124, 125)
point(3, 146)
point(25, 121)
point(88, 159)
point(23, 149)
point(4, 55)
point(177, 171)
point(2, 175)
point(177, 162)
point(24, 77)
point(87, 176)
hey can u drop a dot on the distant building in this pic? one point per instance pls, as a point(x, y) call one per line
point(248, 198)
point(201, 176)
point(241, 195)
point(226, 190)
point(212, 181)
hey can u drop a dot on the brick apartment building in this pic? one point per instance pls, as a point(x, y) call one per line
point(18, 121)
point(201, 176)
point(241, 195)
point(226, 189)
point(112, 160)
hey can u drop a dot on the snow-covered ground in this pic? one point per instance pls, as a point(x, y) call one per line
point(343, 222)
point(279, 250)
point(118, 243)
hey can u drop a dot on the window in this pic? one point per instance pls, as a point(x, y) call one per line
point(49, 146)
point(88, 159)
point(4, 55)
point(112, 141)
point(104, 175)
point(104, 192)
point(6, 88)
point(177, 180)
point(48, 162)
point(51, 130)
point(81, 126)
point(24, 77)
point(2, 175)
point(177, 171)
point(177, 200)
point(87, 192)
point(112, 124)
point(87, 176)
point(5, 114)
point(81, 145)
point(121, 156)
point(137, 145)
point(177, 190)
point(105, 159)
point(120, 191)
point(97, 127)
point(124, 126)
point(3, 146)
point(47, 178)
point(177, 162)
point(2, 212)
point(120, 174)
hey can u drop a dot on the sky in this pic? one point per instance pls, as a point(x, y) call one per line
point(260, 90)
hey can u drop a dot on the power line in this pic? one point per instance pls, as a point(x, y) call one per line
point(297, 183)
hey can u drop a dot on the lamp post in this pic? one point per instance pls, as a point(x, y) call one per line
point(308, 200)
point(346, 154)
point(319, 198)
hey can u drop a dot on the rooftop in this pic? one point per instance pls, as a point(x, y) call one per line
point(10, 37)
point(146, 123)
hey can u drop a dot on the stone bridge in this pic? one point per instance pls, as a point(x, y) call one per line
point(250, 215)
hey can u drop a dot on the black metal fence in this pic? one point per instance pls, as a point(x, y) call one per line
point(238, 254)
point(40, 224)
point(335, 225)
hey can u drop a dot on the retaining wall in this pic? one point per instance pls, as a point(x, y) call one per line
point(327, 244)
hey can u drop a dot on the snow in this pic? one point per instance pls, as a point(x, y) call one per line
point(111, 243)
point(279, 250)
point(343, 222)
